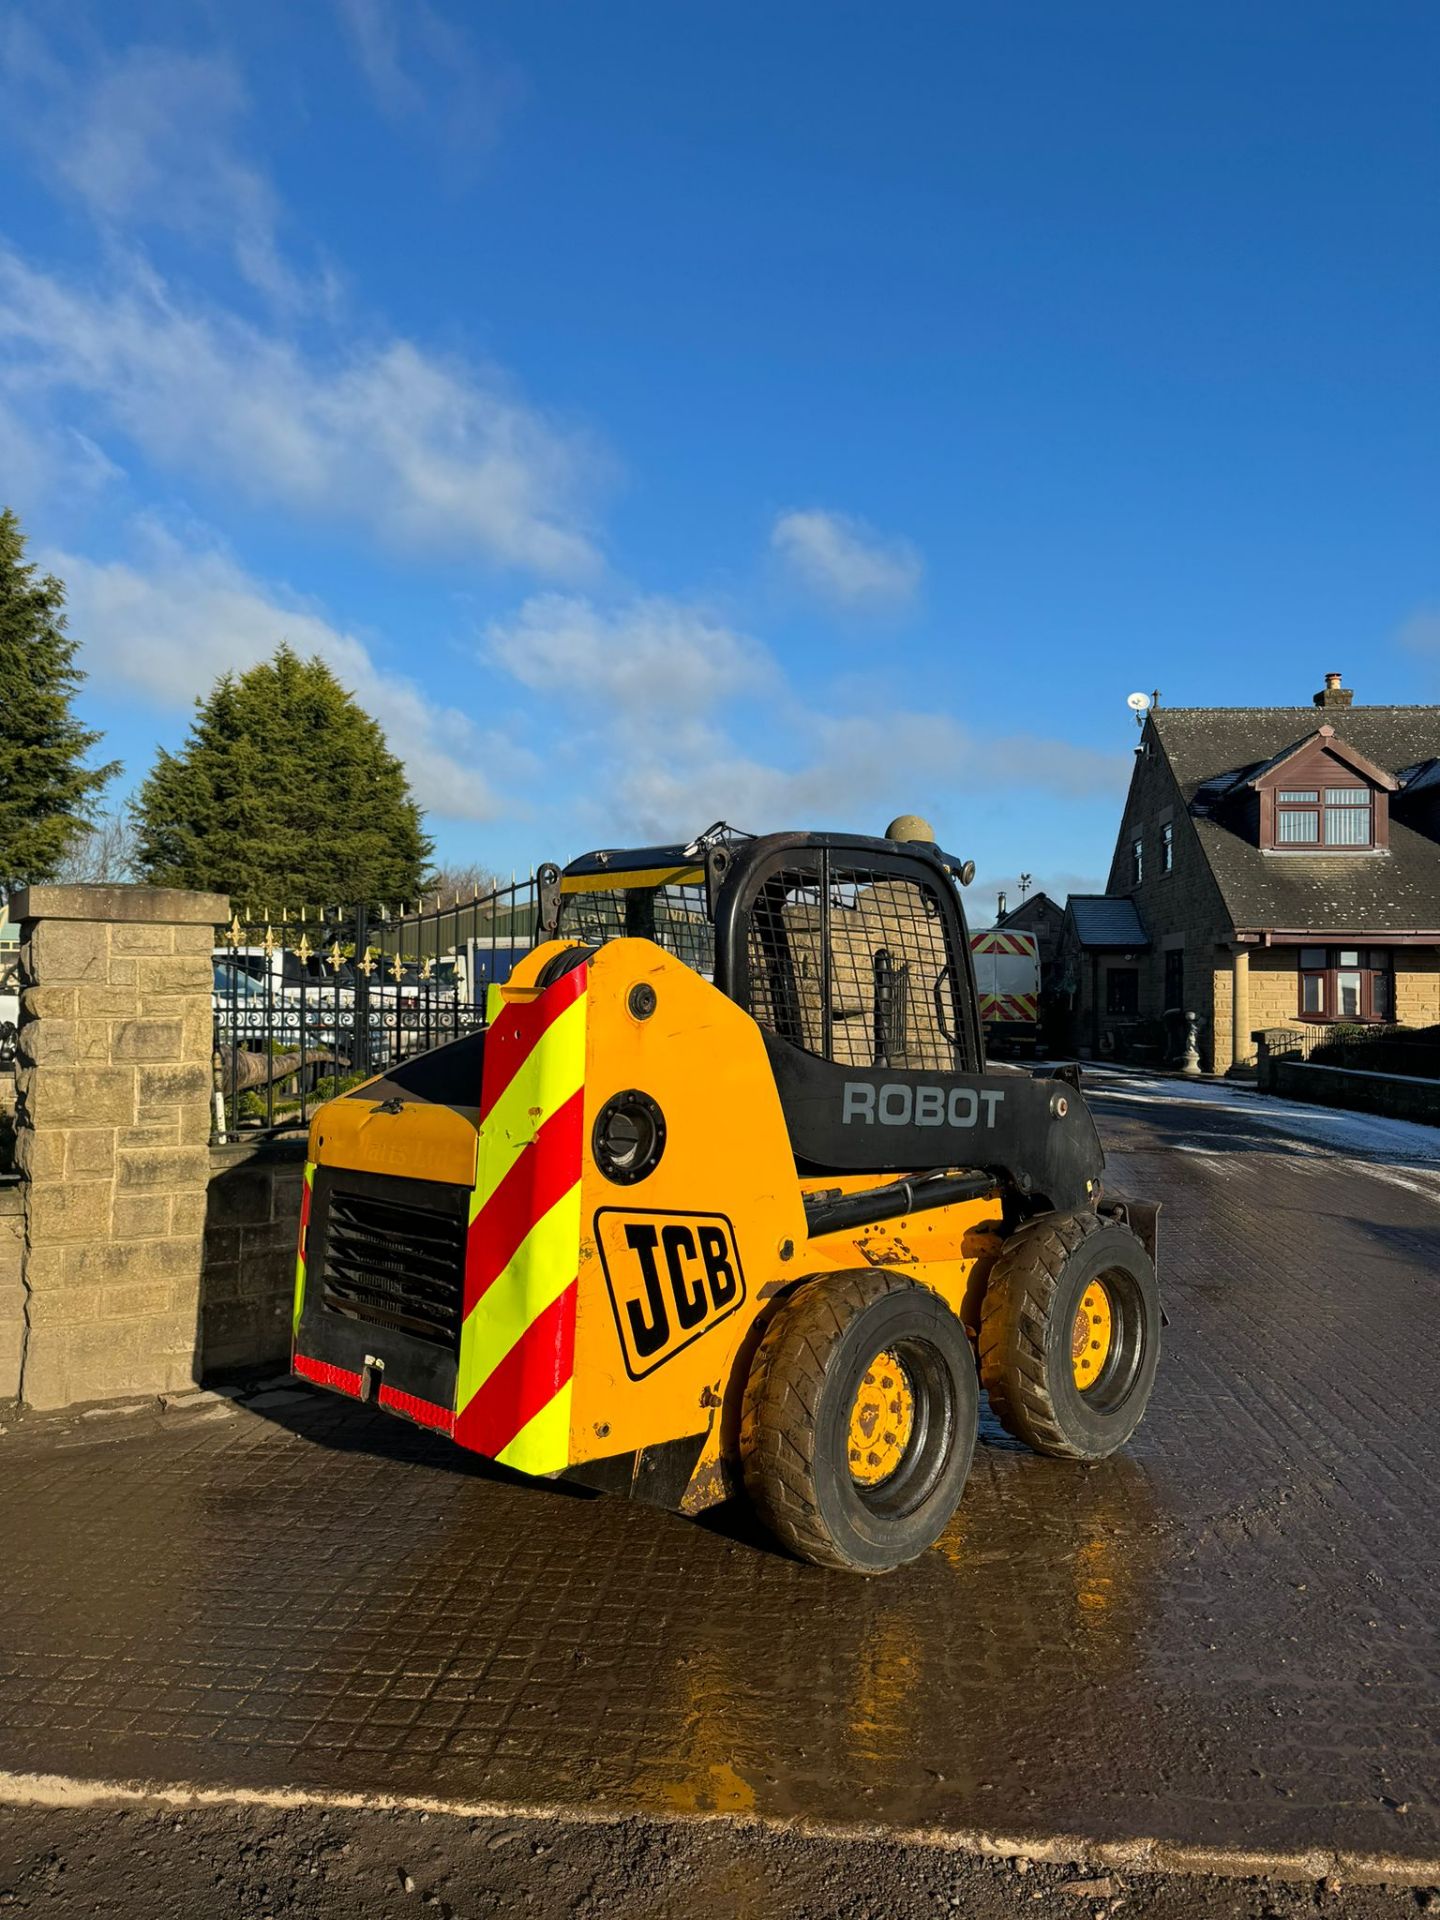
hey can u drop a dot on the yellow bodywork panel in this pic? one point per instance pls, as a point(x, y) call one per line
point(677, 1268)
point(948, 1248)
point(426, 1142)
point(672, 1266)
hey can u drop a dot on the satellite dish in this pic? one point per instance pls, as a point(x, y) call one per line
point(1138, 702)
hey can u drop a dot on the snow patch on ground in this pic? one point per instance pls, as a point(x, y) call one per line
point(1370, 1136)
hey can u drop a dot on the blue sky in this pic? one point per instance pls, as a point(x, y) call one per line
point(794, 413)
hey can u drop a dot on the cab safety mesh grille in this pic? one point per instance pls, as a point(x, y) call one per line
point(395, 1266)
point(676, 917)
point(855, 967)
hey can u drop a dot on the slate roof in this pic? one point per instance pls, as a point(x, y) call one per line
point(1214, 748)
point(1107, 922)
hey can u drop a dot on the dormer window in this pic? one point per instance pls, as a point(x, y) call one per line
point(1321, 796)
point(1297, 818)
point(1347, 817)
point(1323, 817)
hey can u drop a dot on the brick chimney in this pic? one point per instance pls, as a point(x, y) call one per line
point(1333, 694)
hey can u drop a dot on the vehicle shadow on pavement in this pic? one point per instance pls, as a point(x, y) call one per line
point(346, 1426)
point(343, 1427)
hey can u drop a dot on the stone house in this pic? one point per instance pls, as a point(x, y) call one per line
point(1275, 867)
point(1041, 916)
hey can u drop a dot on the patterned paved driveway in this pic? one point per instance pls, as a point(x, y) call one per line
point(1225, 1638)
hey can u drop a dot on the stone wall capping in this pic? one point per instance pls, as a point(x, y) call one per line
point(284, 1147)
point(163, 906)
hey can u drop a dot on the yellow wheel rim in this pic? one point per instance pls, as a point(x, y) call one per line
point(881, 1421)
point(1090, 1335)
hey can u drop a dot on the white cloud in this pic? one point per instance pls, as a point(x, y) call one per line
point(844, 561)
point(424, 69)
point(642, 690)
point(146, 139)
point(168, 626)
point(422, 453)
point(848, 770)
point(651, 656)
point(374, 33)
point(41, 460)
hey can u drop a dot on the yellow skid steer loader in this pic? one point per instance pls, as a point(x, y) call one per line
point(723, 1198)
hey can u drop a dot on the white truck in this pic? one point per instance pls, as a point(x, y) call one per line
point(1007, 974)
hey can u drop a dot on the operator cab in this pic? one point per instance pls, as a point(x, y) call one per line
point(850, 948)
point(851, 955)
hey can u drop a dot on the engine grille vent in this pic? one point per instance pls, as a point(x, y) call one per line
point(395, 1266)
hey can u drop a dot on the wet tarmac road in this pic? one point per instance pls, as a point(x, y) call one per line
point(1224, 1639)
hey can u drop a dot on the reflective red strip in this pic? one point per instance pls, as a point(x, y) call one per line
point(510, 1038)
point(527, 1379)
point(546, 1170)
point(424, 1413)
point(341, 1379)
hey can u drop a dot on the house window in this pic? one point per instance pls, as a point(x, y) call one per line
point(1346, 983)
point(1167, 847)
point(1324, 817)
point(1122, 991)
point(1347, 816)
point(1137, 862)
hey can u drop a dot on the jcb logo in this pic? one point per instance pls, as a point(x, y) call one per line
point(672, 1276)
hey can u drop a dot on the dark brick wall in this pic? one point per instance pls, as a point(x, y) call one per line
point(1386, 1093)
point(252, 1218)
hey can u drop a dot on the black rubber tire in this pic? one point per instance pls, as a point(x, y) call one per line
point(794, 1434)
point(1026, 1316)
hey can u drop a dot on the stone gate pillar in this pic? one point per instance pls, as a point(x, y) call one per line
point(112, 1130)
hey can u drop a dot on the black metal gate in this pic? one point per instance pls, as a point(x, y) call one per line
point(309, 1003)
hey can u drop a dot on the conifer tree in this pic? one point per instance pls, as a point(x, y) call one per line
point(284, 794)
point(47, 791)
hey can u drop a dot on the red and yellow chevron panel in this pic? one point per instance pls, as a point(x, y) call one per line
point(305, 1194)
point(998, 941)
point(517, 1343)
point(1009, 1006)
